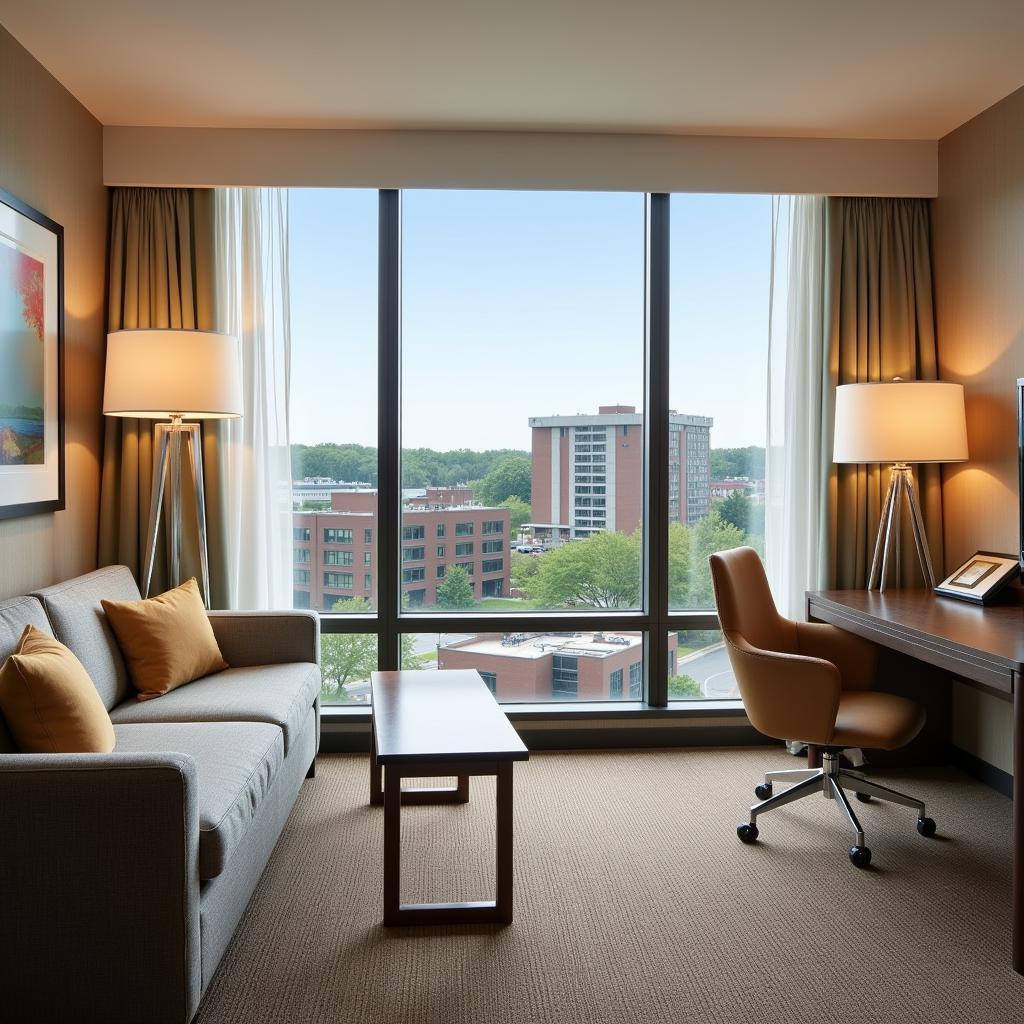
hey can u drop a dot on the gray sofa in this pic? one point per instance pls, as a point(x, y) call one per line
point(123, 876)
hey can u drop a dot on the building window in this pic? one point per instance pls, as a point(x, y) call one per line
point(564, 677)
point(493, 526)
point(367, 557)
point(338, 558)
point(300, 598)
point(302, 555)
point(468, 566)
point(492, 565)
point(463, 529)
point(416, 598)
point(492, 588)
point(338, 580)
point(413, 575)
point(440, 529)
point(367, 536)
point(413, 532)
point(615, 684)
point(300, 533)
point(300, 576)
point(636, 680)
point(463, 549)
point(335, 536)
point(440, 572)
point(492, 547)
point(367, 581)
point(439, 551)
point(413, 554)
point(490, 681)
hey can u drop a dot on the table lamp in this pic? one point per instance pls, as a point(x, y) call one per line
point(177, 375)
point(901, 422)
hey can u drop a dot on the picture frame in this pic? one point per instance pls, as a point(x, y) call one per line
point(981, 577)
point(31, 361)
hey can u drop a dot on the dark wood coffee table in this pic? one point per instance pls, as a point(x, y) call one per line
point(440, 724)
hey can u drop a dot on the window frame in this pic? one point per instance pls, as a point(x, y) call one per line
point(654, 618)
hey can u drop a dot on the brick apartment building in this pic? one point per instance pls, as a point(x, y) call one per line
point(587, 471)
point(335, 553)
point(527, 667)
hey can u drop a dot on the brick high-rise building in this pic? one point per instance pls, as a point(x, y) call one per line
point(588, 471)
point(335, 553)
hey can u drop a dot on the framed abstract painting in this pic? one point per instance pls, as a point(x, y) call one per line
point(31, 361)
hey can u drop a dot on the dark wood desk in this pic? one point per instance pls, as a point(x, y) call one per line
point(435, 725)
point(983, 646)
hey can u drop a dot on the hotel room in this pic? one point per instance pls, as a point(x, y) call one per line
point(511, 513)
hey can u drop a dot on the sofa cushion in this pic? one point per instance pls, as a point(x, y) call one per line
point(49, 702)
point(15, 615)
point(78, 621)
point(236, 763)
point(278, 694)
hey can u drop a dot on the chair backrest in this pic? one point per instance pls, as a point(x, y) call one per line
point(745, 604)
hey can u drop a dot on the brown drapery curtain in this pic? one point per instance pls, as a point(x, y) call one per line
point(880, 324)
point(161, 275)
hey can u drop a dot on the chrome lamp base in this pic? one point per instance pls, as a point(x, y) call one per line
point(167, 479)
point(830, 781)
point(887, 545)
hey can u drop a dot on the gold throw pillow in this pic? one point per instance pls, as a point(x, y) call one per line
point(167, 640)
point(49, 701)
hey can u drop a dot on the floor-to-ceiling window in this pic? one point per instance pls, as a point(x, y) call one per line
point(501, 460)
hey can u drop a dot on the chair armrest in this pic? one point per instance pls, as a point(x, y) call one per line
point(267, 638)
point(786, 696)
point(99, 881)
point(855, 657)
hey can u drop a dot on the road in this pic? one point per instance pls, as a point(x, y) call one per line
point(712, 670)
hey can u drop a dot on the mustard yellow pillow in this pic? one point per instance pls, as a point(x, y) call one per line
point(167, 640)
point(49, 701)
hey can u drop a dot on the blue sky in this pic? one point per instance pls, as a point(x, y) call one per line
point(519, 304)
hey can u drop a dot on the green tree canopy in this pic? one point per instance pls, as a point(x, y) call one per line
point(602, 571)
point(736, 510)
point(683, 688)
point(518, 513)
point(509, 477)
point(456, 591)
point(733, 462)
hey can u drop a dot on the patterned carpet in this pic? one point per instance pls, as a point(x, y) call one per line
point(634, 902)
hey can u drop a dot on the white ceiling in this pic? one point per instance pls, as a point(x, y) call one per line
point(912, 69)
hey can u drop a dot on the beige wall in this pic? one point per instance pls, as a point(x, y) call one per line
point(979, 270)
point(516, 160)
point(51, 157)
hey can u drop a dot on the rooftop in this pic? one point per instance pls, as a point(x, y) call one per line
point(540, 645)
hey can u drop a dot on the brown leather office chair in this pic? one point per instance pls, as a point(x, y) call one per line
point(813, 683)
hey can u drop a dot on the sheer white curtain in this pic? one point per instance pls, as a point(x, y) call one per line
point(251, 239)
point(796, 468)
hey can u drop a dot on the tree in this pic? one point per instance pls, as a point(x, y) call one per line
point(509, 477)
point(734, 462)
point(602, 571)
point(736, 510)
point(678, 565)
point(523, 570)
point(684, 688)
point(350, 657)
point(456, 591)
point(518, 513)
point(711, 534)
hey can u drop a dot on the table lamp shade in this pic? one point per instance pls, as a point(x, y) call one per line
point(900, 421)
point(157, 374)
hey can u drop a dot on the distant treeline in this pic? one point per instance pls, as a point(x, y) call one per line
point(730, 462)
point(20, 412)
point(421, 467)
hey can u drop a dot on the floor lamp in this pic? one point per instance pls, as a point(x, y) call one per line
point(900, 422)
point(177, 375)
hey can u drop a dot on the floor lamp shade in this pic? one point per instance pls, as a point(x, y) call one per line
point(173, 375)
point(159, 374)
point(900, 422)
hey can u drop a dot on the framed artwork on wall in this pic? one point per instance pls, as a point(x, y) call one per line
point(31, 361)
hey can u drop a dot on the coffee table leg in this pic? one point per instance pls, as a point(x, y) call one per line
point(392, 843)
point(376, 790)
point(503, 842)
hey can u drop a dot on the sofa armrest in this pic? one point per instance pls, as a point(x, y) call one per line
point(99, 881)
point(267, 638)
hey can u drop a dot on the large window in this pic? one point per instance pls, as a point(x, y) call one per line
point(523, 344)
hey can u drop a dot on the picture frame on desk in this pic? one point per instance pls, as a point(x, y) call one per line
point(981, 577)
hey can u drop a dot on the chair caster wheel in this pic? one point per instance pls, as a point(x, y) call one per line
point(860, 856)
point(864, 798)
point(747, 832)
point(763, 791)
point(926, 826)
